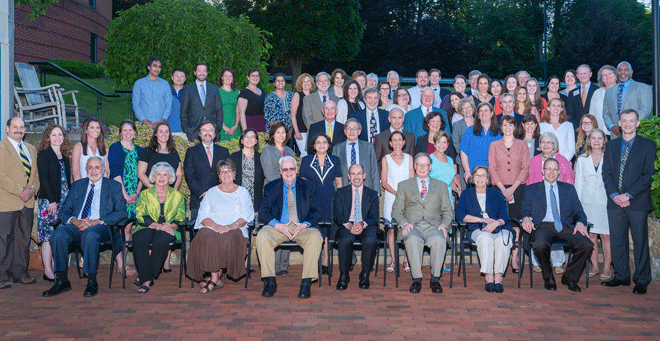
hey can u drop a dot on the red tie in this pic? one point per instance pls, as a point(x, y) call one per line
point(208, 154)
point(424, 192)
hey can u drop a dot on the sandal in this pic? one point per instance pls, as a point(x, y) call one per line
point(391, 268)
point(130, 271)
point(211, 286)
point(406, 267)
point(604, 277)
point(592, 274)
point(143, 289)
point(204, 282)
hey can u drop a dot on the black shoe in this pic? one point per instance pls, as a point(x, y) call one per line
point(490, 287)
point(52, 280)
point(351, 267)
point(615, 283)
point(324, 270)
point(278, 273)
point(572, 286)
point(167, 270)
point(92, 289)
point(252, 270)
point(436, 288)
point(499, 288)
point(284, 272)
point(342, 284)
point(305, 290)
point(364, 280)
point(270, 288)
point(550, 284)
point(58, 288)
point(415, 287)
point(640, 289)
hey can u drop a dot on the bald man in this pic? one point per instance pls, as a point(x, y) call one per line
point(328, 125)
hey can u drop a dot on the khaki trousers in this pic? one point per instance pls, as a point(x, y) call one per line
point(309, 239)
point(424, 233)
point(493, 250)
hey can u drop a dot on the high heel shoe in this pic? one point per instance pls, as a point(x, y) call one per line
point(406, 267)
point(52, 280)
point(391, 268)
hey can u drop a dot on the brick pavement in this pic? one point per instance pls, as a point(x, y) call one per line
point(234, 313)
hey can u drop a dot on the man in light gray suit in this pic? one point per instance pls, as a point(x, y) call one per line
point(200, 101)
point(628, 94)
point(355, 151)
point(313, 103)
point(424, 213)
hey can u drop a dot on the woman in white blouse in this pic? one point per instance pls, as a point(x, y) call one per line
point(221, 240)
point(606, 79)
point(591, 192)
point(555, 121)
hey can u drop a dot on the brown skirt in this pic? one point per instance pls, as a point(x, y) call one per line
point(212, 252)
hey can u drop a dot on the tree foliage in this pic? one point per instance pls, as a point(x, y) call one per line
point(37, 7)
point(182, 33)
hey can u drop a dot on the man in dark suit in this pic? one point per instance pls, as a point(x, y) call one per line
point(93, 204)
point(551, 212)
point(328, 126)
point(199, 165)
point(356, 216)
point(435, 76)
point(415, 117)
point(290, 211)
point(200, 101)
point(627, 171)
point(382, 144)
point(353, 151)
point(579, 98)
point(373, 119)
point(507, 105)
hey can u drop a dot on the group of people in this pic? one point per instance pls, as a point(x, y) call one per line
point(497, 151)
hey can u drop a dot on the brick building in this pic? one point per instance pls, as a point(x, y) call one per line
point(70, 29)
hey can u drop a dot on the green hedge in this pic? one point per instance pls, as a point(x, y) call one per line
point(650, 128)
point(78, 68)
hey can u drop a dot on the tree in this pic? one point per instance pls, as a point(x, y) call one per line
point(37, 7)
point(182, 33)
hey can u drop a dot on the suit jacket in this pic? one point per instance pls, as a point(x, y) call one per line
point(516, 115)
point(306, 206)
point(49, 175)
point(408, 207)
point(193, 112)
point(343, 206)
point(638, 97)
point(338, 135)
point(637, 172)
point(535, 206)
point(12, 177)
point(259, 178)
point(113, 205)
point(413, 121)
point(364, 121)
point(422, 146)
point(382, 145)
point(367, 158)
point(313, 107)
point(574, 108)
point(200, 176)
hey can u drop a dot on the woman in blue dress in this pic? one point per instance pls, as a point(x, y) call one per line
point(324, 170)
point(443, 167)
point(277, 106)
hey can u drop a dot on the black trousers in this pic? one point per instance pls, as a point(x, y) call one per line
point(369, 241)
point(621, 221)
point(150, 265)
point(546, 234)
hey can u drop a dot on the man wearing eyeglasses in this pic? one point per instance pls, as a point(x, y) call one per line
point(290, 210)
point(549, 209)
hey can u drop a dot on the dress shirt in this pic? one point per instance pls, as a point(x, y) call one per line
point(151, 99)
point(330, 125)
point(419, 184)
point(95, 210)
point(392, 91)
point(284, 219)
point(586, 89)
point(425, 110)
point(623, 145)
point(438, 100)
point(548, 212)
point(415, 99)
point(174, 121)
point(18, 147)
point(348, 153)
point(327, 96)
point(209, 149)
point(369, 136)
point(359, 189)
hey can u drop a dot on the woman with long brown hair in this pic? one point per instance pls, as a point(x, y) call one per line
point(92, 143)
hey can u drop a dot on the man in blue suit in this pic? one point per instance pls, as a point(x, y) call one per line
point(373, 120)
point(552, 212)
point(93, 204)
point(414, 118)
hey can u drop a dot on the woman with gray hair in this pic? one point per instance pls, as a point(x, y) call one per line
point(606, 79)
point(159, 210)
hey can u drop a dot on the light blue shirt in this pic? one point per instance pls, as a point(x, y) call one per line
point(284, 219)
point(152, 100)
point(626, 85)
point(348, 152)
point(548, 212)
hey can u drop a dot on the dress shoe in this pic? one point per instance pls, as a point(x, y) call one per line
point(284, 272)
point(615, 283)
point(47, 279)
point(26, 280)
point(490, 287)
point(92, 289)
point(342, 284)
point(167, 270)
point(572, 286)
point(278, 273)
point(499, 288)
point(324, 270)
point(270, 288)
point(550, 284)
point(58, 288)
point(305, 290)
point(415, 287)
point(364, 280)
point(640, 289)
point(5, 284)
point(436, 288)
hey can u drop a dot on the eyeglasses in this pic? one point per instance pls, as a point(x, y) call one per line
point(551, 169)
point(402, 95)
point(480, 175)
point(423, 165)
point(226, 172)
point(587, 123)
point(285, 170)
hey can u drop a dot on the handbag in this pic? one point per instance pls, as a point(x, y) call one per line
point(36, 263)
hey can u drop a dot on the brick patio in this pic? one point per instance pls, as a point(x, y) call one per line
point(234, 313)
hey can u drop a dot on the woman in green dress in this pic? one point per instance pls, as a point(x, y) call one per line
point(229, 95)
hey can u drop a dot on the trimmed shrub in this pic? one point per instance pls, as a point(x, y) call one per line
point(650, 128)
point(77, 67)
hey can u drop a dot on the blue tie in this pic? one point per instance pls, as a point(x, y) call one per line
point(619, 98)
point(555, 209)
point(353, 154)
point(202, 94)
point(88, 203)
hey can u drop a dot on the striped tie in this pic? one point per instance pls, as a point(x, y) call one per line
point(26, 163)
point(88, 203)
point(619, 98)
point(624, 158)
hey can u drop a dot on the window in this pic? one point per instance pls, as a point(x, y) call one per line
point(93, 39)
point(92, 3)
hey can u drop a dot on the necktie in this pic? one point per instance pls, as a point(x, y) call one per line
point(324, 99)
point(619, 98)
point(208, 155)
point(202, 93)
point(555, 209)
point(291, 205)
point(357, 207)
point(26, 163)
point(424, 192)
point(428, 111)
point(584, 94)
point(330, 131)
point(88, 203)
point(372, 127)
point(624, 158)
point(353, 154)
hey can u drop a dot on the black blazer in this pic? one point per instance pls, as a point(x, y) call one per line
point(338, 135)
point(637, 172)
point(574, 108)
point(422, 146)
point(49, 175)
point(193, 112)
point(570, 208)
point(199, 175)
point(343, 204)
point(258, 176)
point(306, 206)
